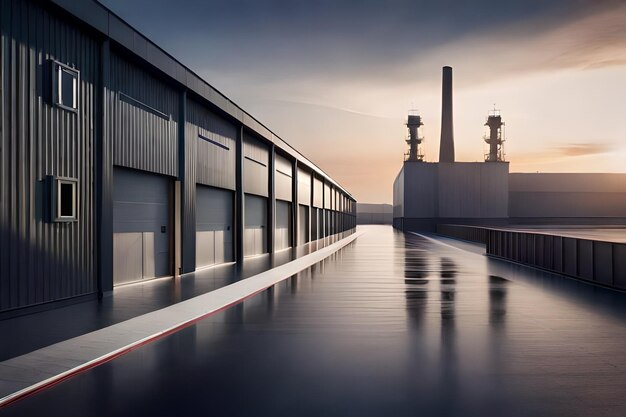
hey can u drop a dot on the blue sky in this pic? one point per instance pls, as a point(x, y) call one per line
point(337, 78)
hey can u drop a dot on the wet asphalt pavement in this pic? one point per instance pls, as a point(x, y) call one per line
point(392, 325)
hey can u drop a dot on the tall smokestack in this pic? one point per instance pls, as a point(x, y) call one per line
point(446, 145)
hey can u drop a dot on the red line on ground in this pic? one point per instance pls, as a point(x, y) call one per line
point(107, 358)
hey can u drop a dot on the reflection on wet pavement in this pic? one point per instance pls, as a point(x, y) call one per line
point(392, 325)
point(33, 331)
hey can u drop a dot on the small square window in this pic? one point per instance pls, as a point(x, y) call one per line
point(64, 199)
point(65, 81)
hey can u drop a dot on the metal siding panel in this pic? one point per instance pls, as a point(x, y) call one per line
point(284, 165)
point(254, 149)
point(256, 167)
point(41, 261)
point(318, 193)
point(283, 187)
point(144, 117)
point(327, 201)
point(283, 178)
point(215, 163)
point(255, 178)
point(304, 187)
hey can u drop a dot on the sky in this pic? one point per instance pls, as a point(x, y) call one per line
point(336, 79)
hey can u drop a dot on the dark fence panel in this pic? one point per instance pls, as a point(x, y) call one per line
point(600, 262)
point(469, 233)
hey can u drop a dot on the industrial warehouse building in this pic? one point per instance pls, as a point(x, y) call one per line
point(119, 164)
point(515, 215)
point(427, 195)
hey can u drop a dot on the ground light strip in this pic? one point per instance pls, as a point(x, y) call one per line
point(194, 310)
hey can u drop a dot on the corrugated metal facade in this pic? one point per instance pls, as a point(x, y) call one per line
point(42, 261)
point(216, 140)
point(318, 193)
point(255, 166)
point(137, 108)
point(143, 119)
point(283, 178)
point(327, 200)
point(304, 187)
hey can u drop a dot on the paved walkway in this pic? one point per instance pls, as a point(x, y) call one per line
point(37, 330)
point(37, 370)
point(392, 324)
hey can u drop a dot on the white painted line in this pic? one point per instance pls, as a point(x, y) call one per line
point(439, 242)
point(35, 371)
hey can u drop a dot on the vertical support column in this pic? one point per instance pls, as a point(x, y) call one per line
point(177, 224)
point(311, 206)
point(329, 228)
point(187, 177)
point(323, 208)
point(271, 211)
point(295, 225)
point(239, 198)
point(104, 177)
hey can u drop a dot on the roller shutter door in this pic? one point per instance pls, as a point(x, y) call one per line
point(314, 228)
point(283, 225)
point(255, 233)
point(141, 225)
point(214, 226)
point(303, 224)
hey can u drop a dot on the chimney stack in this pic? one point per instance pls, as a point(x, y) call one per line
point(446, 145)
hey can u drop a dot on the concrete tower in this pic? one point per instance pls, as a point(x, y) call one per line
point(446, 145)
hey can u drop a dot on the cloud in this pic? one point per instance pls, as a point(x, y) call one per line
point(564, 151)
point(590, 40)
point(388, 42)
point(583, 149)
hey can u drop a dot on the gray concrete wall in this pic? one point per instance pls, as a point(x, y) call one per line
point(367, 213)
point(567, 196)
point(473, 190)
point(420, 190)
point(398, 195)
point(429, 193)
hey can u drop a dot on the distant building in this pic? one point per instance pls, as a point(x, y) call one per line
point(368, 213)
point(485, 193)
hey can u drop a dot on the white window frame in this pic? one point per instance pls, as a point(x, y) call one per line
point(57, 85)
point(56, 199)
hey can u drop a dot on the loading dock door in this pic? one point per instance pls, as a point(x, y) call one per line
point(214, 226)
point(283, 225)
point(303, 224)
point(141, 225)
point(255, 233)
point(313, 223)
